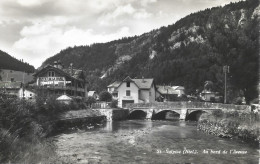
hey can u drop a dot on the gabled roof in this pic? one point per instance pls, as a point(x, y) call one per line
point(75, 73)
point(140, 83)
point(64, 97)
point(166, 90)
point(114, 84)
point(128, 79)
point(178, 87)
point(10, 85)
point(143, 83)
point(91, 93)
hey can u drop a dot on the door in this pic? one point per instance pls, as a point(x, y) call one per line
point(124, 102)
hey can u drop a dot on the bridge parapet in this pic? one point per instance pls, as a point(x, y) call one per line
point(188, 105)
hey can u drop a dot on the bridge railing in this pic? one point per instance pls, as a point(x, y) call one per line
point(186, 104)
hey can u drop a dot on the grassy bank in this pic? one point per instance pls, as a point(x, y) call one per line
point(24, 126)
point(231, 124)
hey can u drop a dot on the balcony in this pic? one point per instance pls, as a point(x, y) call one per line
point(61, 87)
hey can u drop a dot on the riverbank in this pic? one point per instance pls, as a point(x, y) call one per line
point(25, 125)
point(149, 142)
point(231, 124)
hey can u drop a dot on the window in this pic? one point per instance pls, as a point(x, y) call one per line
point(128, 93)
point(127, 84)
point(150, 93)
point(51, 74)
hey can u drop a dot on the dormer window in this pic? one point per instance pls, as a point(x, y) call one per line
point(127, 84)
point(51, 74)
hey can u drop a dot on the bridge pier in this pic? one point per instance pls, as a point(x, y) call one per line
point(183, 113)
point(149, 114)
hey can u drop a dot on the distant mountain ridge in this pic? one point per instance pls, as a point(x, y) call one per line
point(10, 63)
point(187, 53)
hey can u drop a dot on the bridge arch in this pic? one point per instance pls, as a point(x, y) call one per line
point(137, 114)
point(166, 114)
point(194, 115)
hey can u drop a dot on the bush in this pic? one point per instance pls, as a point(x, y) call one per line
point(232, 114)
point(238, 101)
point(114, 104)
point(105, 96)
point(218, 113)
point(90, 100)
point(24, 124)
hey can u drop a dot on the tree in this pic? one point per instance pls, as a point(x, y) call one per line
point(90, 100)
point(105, 96)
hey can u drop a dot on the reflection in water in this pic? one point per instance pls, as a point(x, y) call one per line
point(146, 141)
point(114, 126)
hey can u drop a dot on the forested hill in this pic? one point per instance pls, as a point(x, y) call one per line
point(11, 63)
point(187, 53)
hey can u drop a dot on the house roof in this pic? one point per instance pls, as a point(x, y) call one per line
point(64, 97)
point(208, 92)
point(178, 87)
point(114, 84)
point(75, 73)
point(166, 90)
point(10, 85)
point(7, 75)
point(140, 83)
point(143, 83)
point(91, 93)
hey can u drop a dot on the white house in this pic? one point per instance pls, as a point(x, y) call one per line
point(16, 89)
point(93, 94)
point(112, 88)
point(210, 96)
point(134, 91)
point(26, 94)
point(179, 90)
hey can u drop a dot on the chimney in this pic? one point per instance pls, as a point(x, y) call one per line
point(143, 79)
point(59, 65)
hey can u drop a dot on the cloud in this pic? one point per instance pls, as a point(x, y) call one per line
point(31, 3)
point(44, 40)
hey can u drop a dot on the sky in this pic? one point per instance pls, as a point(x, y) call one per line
point(34, 30)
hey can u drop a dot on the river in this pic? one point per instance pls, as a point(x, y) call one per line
point(146, 141)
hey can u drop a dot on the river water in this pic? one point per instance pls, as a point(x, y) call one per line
point(146, 141)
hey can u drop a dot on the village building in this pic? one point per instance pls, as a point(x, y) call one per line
point(133, 91)
point(207, 95)
point(112, 88)
point(55, 80)
point(15, 89)
point(168, 93)
point(26, 93)
point(93, 94)
point(11, 75)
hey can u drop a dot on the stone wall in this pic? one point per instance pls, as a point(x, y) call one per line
point(82, 122)
point(114, 114)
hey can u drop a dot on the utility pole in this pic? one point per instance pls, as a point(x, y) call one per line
point(225, 70)
point(23, 85)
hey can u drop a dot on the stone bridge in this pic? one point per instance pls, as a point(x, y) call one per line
point(183, 109)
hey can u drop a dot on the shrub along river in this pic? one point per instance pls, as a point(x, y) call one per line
point(146, 141)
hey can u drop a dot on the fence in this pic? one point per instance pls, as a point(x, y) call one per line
point(101, 105)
